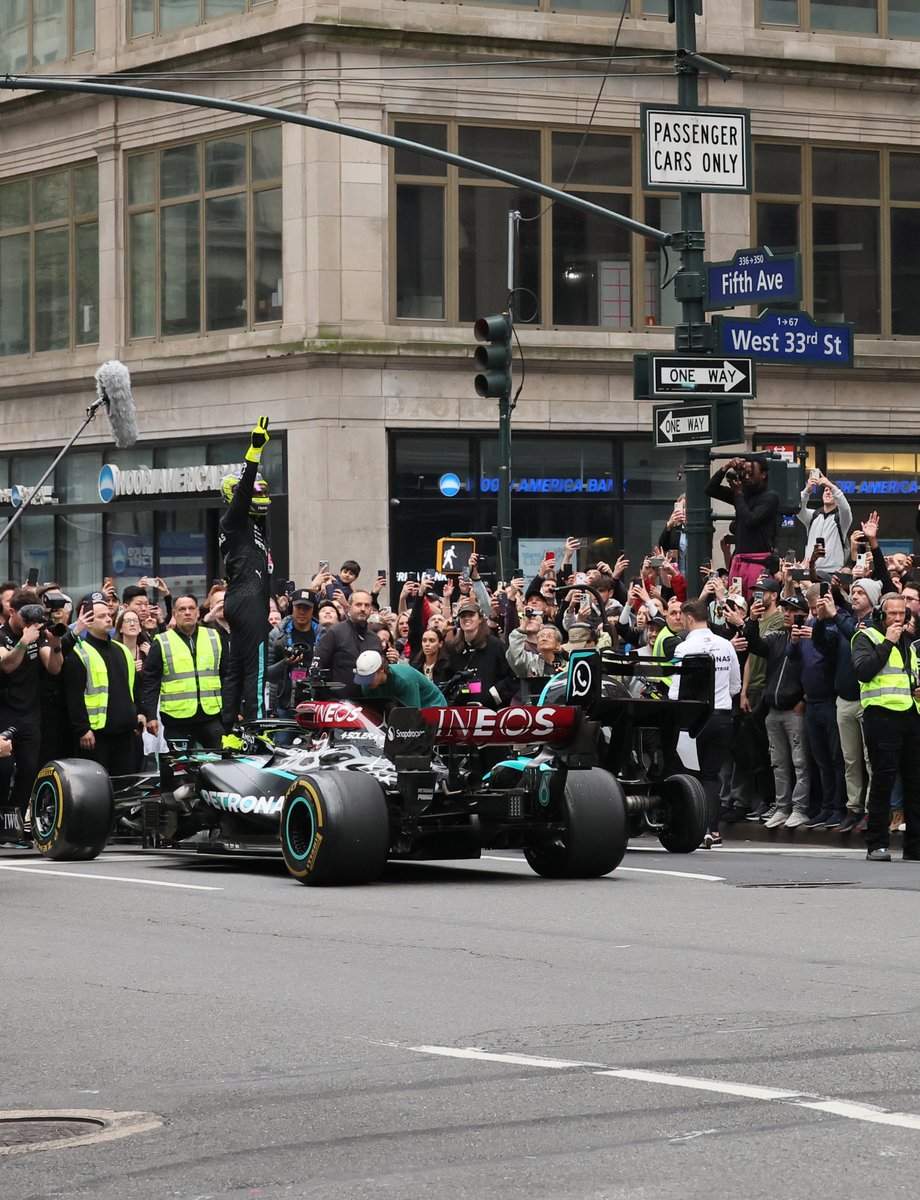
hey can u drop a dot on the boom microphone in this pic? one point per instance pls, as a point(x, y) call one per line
point(113, 386)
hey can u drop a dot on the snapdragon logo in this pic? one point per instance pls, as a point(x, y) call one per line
point(107, 483)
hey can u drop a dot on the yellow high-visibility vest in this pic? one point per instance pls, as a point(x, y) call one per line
point(183, 684)
point(96, 694)
point(891, 688)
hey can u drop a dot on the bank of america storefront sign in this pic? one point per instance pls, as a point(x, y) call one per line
point(160, 481)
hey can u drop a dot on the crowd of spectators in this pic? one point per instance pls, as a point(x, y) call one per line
point(799, 737)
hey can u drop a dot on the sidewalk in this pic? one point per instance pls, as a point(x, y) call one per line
point(749, 831)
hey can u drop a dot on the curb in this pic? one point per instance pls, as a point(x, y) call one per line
point(748, 831)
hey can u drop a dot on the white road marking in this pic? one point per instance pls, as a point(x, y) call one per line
point(641, 870)
point(192, 887)
point(751, 1091)
point(849, 1109)
point(520, 1060)
point(754, 848)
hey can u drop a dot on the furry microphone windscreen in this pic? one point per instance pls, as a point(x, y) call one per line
point(113, 385)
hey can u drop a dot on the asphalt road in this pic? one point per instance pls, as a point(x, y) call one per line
point(737, 1023)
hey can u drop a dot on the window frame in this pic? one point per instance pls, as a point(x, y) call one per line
point(71, 223)
point(450, 183)
point(248, 6)
point(806, 199)
point(70, 52)
point(804, 25)
point(250, 188)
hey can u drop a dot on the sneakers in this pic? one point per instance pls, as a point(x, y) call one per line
point(834, 821)
point(861, 825)
point(706, 843)
point(715, 839)
point(849, 822)
point(815, 822)
point(768, 813)
point(760, 813)
point(879, 854)
point(734, 815)
point(796, 819)
point(780, 817)
point(896, 818)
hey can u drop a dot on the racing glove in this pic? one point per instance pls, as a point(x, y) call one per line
point(258, 440)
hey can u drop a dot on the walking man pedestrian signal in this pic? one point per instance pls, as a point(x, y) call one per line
point(454, 553)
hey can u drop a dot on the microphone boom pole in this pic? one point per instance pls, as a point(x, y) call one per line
point(102, 402)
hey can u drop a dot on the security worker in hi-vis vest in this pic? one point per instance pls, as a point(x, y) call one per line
point(183, 672)
point(99, 687)
point(886, 665)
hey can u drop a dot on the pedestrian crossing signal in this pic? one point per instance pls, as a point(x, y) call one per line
point(454, 554)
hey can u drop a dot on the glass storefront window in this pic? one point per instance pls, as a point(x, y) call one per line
point(32, 545)
point(128, 547)
point(77, 477)
point(652, 474)
point(182, 551)
point(422, 461)
point(79, 559)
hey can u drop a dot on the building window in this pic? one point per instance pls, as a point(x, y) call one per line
point(49, 261)
point(163, 16)
point(574, 269)
point(36, 32)
point(885, 18)
point(204, 235)
point(855, 214)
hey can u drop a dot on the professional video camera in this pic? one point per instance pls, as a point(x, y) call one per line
point(36, 614)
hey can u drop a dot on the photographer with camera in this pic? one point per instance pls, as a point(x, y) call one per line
point(784, 701)
point(744, 484)
point(535, 648)
point(30, 647)
point(290, 652)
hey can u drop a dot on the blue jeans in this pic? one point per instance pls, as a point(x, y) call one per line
point(824, 743)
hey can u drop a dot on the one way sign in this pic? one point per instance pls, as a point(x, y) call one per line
point(681, 375)
point(682, 425)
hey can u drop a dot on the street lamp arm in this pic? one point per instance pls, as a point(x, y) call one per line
point(47, 83)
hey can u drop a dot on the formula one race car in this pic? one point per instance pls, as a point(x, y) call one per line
point(351, 790)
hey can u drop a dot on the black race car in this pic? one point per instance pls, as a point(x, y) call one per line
point(347, 789)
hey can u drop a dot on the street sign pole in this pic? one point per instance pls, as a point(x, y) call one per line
point(689, 288)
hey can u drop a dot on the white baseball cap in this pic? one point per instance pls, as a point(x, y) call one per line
point(368, 664)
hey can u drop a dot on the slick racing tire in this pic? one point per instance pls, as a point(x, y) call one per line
point(72, 809)
point(335, 829)
point(595, 836)
point(685, 814)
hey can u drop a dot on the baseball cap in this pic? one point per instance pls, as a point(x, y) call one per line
point(768, 585)
point(469, 606)
point(303, 596)
point(368, 664)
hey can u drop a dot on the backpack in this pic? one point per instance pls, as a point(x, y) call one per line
point(820, 512)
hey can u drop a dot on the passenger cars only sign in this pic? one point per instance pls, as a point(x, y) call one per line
point(703, 150)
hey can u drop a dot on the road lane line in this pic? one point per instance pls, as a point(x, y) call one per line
point(848, 1109)
point(192, 887)
point(754, 848)
point(751, 1091)
point(520, 1060)
point(639, 870)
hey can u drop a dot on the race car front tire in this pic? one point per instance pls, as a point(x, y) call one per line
point(595, 836)
point(335, 829)
point(685, 814)
point(73, 808)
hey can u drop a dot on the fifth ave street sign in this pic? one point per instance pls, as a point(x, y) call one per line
point(699, 150)
point(699, 378)
point(682, 424)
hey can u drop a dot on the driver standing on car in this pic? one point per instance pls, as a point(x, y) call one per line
point(248, 563)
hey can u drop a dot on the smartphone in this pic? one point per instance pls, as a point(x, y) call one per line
point(819, 544)
point(799, 574)
point(757, 597)
point(714, 577)
point(323, 565)
point(864, 560)
point(289, 587)
point(655, 562)
point(790, 556)
point(581, 577)
point(814, 475)
point(550, 556)
point(799, 619)
point(412, 576)
point(382, 573)
point(32, 579)
point(737, 583)
point(823, 588)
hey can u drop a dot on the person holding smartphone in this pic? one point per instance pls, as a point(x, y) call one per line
point(828, 525)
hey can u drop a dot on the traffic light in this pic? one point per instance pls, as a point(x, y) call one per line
point(493, 357)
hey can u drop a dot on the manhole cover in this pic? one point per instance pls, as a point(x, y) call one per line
point(24, 1131)
point(829, 883)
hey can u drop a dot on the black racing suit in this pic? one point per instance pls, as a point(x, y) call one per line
point(248, 566)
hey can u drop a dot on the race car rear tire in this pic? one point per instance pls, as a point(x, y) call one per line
point(73, 808)
point(595, 836)
point(686, 815)
point(335, 829)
